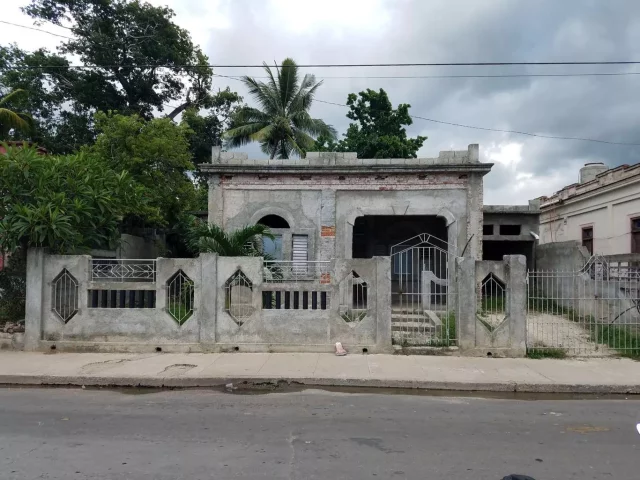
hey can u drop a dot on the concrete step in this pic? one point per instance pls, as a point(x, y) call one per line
point(415, 328)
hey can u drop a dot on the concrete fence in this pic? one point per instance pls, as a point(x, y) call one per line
point(208, 303)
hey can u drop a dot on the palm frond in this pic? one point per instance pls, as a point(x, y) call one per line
point(287, 81)
point(13, 95)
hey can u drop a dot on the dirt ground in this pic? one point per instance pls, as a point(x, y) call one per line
point(546, 330)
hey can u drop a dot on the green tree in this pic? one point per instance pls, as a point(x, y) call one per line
point(11, 120)
point(66, 203)
point(210, 238)
point(156, 155)
point(282, 125)
point(378, 131)
point(125, 42)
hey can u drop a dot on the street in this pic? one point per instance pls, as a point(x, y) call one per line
point(313, 434)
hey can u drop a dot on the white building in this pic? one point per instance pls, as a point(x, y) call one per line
point(602, 212)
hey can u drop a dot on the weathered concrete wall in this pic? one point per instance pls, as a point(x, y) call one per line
point(509, 337)
point(561, 256)
point(221, 319)
point(322, 194)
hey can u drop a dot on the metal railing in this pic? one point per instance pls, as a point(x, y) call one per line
point(123, 270)
point(296, 271)
point(591, 312)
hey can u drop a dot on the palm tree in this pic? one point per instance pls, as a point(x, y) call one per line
point(210, 238)
point(283, 124)
point(10, 119)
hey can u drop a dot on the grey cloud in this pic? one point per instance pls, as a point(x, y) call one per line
point(469, 30)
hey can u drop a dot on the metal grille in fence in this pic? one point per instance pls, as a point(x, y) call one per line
point(492, 300)
point(64, 296)
point(239, 297)
point(297, 271)
point(591, 312)
point(122, 270)
point(354, 292)
point(180, 297)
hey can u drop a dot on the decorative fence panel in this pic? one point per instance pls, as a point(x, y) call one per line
point(207, 302)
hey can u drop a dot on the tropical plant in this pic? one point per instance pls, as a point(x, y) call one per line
point(209, 238)
point(67, 203)
point(9, 119)
point(282, 125)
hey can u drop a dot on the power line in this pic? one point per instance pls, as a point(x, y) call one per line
point(36, 29)
point(516, 132)
point(344, 65)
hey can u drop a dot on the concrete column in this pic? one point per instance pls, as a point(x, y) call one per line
point(34, 298)
point(465, 278)
point(383, 304)
point(216, 201)
point(516, 308)
point(327, 225)
point(474, 216)
point(207, 309)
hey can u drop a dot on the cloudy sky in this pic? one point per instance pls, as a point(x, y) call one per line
point(403, 31)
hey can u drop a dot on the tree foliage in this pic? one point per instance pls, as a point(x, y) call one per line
point(282, 124)
point(66, 203)
point(156, 155)
point(209, 238)
point(124, 42)
point(378, 129)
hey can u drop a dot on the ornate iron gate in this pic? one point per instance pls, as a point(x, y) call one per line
point(422, 296)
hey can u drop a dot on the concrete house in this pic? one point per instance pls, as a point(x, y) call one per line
point(601, 212)
point(334, 205)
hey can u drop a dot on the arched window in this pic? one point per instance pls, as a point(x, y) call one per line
point(273, 221)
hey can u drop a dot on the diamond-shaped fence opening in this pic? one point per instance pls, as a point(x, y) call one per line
point(239, 297)
point(180, 297)
point(353, 298)
point(492, 302)
point(64, 295)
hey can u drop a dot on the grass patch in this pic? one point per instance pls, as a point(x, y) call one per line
point(538, 353)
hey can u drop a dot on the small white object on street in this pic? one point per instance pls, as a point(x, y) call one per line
point(638, 427)
point(340, 351)
point(229, 386)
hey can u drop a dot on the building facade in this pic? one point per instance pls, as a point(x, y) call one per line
point(601, 212)
point(334, 205)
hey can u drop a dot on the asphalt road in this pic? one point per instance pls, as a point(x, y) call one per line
point(74, 434)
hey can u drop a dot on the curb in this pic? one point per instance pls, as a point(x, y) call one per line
point(208, 382)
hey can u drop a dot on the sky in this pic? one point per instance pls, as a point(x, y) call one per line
point(406, 31)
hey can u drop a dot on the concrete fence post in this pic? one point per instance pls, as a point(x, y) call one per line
point(383, 304)
point(465, 276)
point(516, 308)
point(34, 298)
point(208, 297)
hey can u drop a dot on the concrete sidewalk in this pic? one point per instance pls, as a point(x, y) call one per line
point(425, 372)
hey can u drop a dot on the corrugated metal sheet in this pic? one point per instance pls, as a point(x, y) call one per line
point(300, 248)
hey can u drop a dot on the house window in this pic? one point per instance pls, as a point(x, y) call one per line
point(272, 247)
point(587, 239)
point(509, 229)
point(300, 253)
point(487, 229)
point(635, 235)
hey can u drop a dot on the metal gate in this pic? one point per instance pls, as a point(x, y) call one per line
point(422, 296)
point(591, 312)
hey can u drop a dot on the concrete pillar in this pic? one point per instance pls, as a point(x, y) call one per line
point(465, 278)
point(216, 201)
point(383, 304)
point(207, 309)
point(34, 298)
point(327, 225)
point(516, 308)
point(474, 216)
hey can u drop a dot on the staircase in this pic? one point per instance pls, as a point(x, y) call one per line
point(413, 328)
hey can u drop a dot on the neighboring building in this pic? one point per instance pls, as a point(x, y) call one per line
point(510, 230)
point(334, 205)
point(602, 212)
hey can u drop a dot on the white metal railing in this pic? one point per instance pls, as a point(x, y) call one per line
point(280, 271)
point(123, 270)
point(591, 312)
